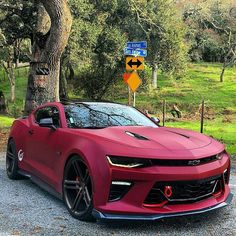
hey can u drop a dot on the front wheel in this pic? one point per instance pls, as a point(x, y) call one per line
point(12, 161)
point(77, 189)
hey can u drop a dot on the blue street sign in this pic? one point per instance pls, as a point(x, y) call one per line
point(140, 45)
point(135, 52)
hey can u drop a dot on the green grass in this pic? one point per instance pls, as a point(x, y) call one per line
point(201, 82)
point(5, 121)
point(16, 108)
point(224, 132)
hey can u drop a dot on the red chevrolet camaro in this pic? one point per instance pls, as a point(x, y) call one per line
point(110, 161)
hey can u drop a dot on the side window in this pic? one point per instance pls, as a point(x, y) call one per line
point(48, 112)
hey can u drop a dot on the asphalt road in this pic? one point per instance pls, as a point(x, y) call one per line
point(25, 209)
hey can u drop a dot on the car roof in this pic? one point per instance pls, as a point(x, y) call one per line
point(83, 101)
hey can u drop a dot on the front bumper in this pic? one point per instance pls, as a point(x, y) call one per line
point(109, 216)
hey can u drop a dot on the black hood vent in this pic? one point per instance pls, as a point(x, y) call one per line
point(137, 136)
point(178, 134)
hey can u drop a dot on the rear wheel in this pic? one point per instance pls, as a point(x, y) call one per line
point(12, 161)
point(77, 189)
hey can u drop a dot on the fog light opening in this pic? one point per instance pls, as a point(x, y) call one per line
point(118, 189)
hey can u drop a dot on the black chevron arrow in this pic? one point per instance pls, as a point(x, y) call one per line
point(132, 63)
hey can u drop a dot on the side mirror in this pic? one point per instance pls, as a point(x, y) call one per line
point(47, 123)
point(155, 120)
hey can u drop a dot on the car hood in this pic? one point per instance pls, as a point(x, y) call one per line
point(153, 138)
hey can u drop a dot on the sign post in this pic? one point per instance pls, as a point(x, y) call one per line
point(135, 52)
point(134, 102)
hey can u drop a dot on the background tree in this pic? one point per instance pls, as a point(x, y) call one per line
point(212, 29)
point(100, 31)
point(16, 22)
point(161, 25)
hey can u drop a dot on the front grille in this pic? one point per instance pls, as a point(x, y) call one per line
point(185, 191)
point(200, 161)
point(155, 196)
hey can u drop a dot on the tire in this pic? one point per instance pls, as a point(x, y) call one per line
point(12, 161)
point(77, 189)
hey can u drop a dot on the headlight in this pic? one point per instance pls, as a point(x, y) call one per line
point(128, 162)
point(219, 156)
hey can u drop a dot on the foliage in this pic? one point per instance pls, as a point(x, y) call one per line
point(211, 29)
point(101, 29)
point(160, 24)
point(17, 21)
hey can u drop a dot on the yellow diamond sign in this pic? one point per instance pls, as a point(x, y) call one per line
point(134, 81)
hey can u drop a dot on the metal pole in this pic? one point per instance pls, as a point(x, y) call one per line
point(134, 100)
point(129, 99)
point(202, 116)
point(164, 112)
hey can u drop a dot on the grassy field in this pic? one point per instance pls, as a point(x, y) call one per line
point(225, 133)
point(201, 82)
point(5, 121)
point(21, 84)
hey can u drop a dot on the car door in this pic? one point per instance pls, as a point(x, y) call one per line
point(42, 145)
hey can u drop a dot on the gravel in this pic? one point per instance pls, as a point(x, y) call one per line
point(26, 209)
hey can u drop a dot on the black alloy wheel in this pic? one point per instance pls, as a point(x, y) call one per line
point(12, 161)
point(77, 189)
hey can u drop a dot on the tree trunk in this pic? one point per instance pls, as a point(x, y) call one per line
point(11, 77)
point(222, 73)
point(3, 107)
point(63, 84)
point(13, 92)
point(17, 52)
point(72, 72)
point(154, 76)
point(51, 37)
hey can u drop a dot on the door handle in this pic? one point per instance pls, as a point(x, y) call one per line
point(31, 131)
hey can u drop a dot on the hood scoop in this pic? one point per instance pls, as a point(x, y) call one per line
point(137, 136)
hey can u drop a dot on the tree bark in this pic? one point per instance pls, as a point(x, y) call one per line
point(222, 73)
point(11, 77)
point(63, 84)
point(3, 107)
point(13, 86)
point(51, 37)
point(72, 72)
point(154, 76)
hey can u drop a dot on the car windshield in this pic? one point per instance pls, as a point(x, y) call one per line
point(102, 115)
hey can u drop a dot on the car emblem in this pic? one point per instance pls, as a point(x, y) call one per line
point(20, 155)
point(194, 163)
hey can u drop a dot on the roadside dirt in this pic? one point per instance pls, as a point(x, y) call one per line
point(3, 139)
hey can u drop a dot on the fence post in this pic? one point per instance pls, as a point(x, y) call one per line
point(202, 116)
point(164, 112)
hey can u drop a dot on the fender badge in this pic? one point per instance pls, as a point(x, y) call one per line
point(20, 155)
